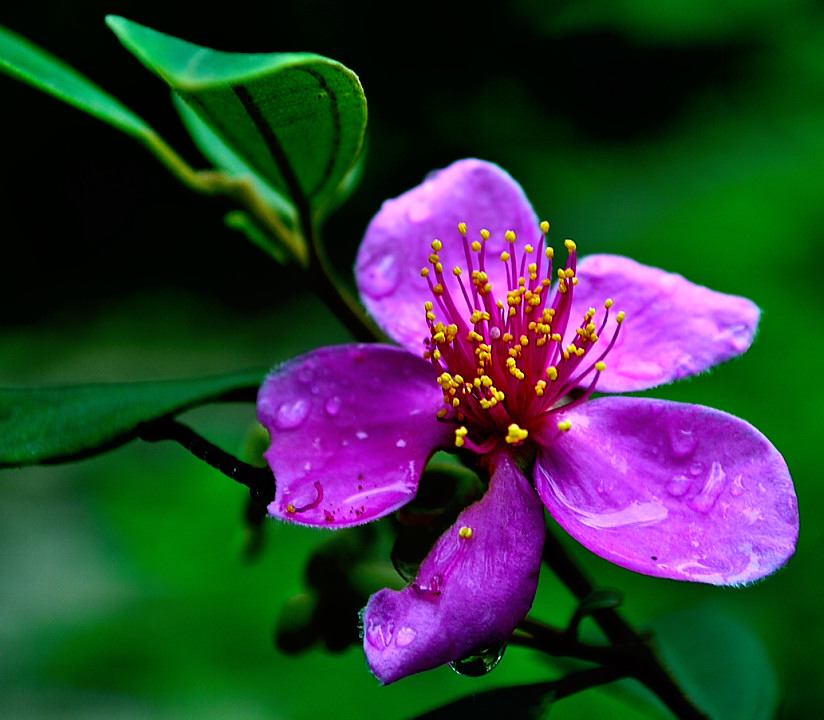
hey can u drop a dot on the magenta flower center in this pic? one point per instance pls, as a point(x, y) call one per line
point(508, 361)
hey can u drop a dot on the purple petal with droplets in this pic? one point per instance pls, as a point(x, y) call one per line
point(352, 427)
point(471, 592)
point(397, 243)
point(673, 490)
point(673, 328)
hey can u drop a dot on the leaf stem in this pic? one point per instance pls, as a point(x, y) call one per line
point(259, 480)
point(631, 649)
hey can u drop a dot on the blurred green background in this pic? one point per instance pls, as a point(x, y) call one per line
point(686, 134)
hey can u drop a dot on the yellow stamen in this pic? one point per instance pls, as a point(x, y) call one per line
point(462, 228)
point(465, 532)
point(565, 426)
point(509, 236)
point(515, 434)
point(544, 227)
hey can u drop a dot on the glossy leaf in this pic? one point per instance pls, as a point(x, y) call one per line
point(227, 160)
point(25, 61)
point(719, 662)
point(55, 424)
point(298, 119)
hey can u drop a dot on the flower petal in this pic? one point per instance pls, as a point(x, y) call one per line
point(673, 490)
point(398, 241)
point(673, 327)
point(471, 591)
point(352, 427)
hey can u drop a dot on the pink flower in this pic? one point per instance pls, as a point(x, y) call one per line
point(500, 356)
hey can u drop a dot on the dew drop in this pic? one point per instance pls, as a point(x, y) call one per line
point(401, 443)
point(480, 663)
point(737, 486)
point(306, 372)
point(679, 486)
point(696, 469)
point(380, 275)
point(292, 413)
point(706, 499)
point(332, 406)
point(361, 435)
point(683, 442)
point(405, 636)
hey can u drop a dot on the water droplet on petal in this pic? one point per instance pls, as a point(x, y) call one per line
point(380, 275)
point(401, 443)
point(333, 406)
point(696, 469)
point(706, 499)
point(683, 442)
point(361, 435)
point(405, 636)
point(679, 486)
point(480, 663)
point(377, 635)
point(306, 372)
point(292, 413)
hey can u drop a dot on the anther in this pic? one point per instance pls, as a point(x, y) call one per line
point(544, 227)
point(317, 501)
point(462, 228)
point(515, 434)
point(565, 426)
point(465, 532)
point(509, 236)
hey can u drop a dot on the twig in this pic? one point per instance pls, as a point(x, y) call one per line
point(260, 481)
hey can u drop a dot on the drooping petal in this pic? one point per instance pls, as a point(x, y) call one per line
point(673, 328)
point(398, 241)
point(670, 489)
point(473, 588)
point(352, 427)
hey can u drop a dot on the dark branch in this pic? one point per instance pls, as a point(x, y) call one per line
point(633, 651)
point(260, 481)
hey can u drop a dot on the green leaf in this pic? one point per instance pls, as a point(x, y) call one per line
point(298, 119)
point(719, 662)
point(55, 424)
point(27, 62)
point(224, 158)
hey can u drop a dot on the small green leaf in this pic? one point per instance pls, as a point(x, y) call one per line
point(55, 424)
point(298, 119)
point(27, 62)
point(719, 662)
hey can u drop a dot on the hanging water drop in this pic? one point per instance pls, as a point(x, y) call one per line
point(480, 663)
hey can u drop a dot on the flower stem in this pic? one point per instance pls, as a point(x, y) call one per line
point(259, 480)
point(632, 650)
